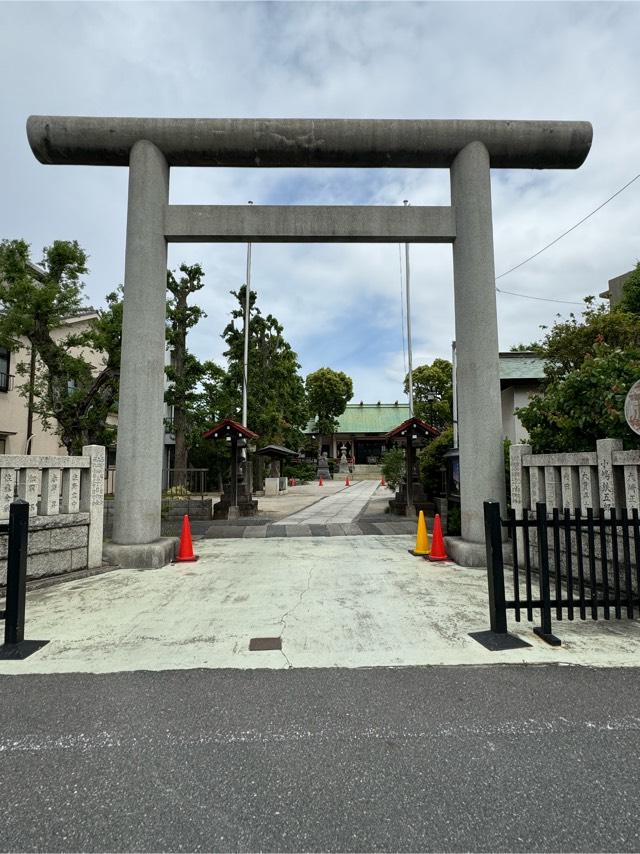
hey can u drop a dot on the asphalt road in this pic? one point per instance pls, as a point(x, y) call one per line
point(441, 759)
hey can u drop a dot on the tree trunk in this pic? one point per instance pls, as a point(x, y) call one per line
point(179, 414)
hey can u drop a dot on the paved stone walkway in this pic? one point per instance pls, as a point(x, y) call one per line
point(340, 508)
point(337, 515)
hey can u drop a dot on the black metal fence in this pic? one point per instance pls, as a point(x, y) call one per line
point(194, 481)
point(18, 531)
point(564, 563)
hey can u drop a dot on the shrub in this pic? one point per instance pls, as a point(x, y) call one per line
point(393, 467)
point(432, 462)
point(303, 472)
point(177, 492)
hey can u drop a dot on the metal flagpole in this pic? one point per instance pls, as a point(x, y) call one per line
point(409, 352)
point(245, 363)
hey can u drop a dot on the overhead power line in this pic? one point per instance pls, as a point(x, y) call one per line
point(569, 230)
point(553, 242)
point(541, 299)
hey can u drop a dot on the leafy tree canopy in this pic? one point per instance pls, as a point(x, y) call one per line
point(328, 393)
point(585, 405)
point(631, 293)
point(433, 393)
point(277, 409)
point(569, 342)
point(533, 347)
point(432, 460)
point(72, 397)
point(591, 362)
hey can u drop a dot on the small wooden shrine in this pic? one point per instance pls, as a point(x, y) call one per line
point(236, 500)
point(410, 498)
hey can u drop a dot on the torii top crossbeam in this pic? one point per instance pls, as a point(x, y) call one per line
point(390, 143)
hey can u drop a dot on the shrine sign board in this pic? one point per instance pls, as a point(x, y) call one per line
point(632, 407)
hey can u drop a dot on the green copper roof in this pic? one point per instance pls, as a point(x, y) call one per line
point(521, 366)
point(383, 417)
point(369, 418)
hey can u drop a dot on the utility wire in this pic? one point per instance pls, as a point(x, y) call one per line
point(553, 242)
point(569, 230)
point(541, 299)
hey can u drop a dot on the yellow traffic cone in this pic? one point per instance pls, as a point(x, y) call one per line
point(422, 538)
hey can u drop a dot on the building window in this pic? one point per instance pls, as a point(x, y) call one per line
point(6, 380)
point(3, 445)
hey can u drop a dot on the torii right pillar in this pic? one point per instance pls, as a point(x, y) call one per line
point(478, 370)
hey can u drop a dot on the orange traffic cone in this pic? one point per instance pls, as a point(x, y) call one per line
point(185, 549)
point(347, 482)
point(437, 542)
point(382, 483)
point(321, 483)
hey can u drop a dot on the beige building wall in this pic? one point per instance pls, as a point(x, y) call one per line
point(515, 397)
point(14, 407)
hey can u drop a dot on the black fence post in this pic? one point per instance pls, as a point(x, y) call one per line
point(16, 571)
point(495, 567)
point(544, 631)
point(497, 638)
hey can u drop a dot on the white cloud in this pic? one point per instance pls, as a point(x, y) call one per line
point(340, 304)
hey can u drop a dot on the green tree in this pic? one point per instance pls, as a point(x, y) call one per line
point(207, 407)
point(586, 404)
point(72, 397)
point(631, 293)
point(328, 393)
point(432, 461)
point(533, 347)
point(277, 409)
point(569, 342)
point(185, 371)
point(590, 364)
point(433, 393)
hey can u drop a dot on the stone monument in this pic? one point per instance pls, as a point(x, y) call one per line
point(324, 471)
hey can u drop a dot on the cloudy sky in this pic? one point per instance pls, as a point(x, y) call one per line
point(340, 304)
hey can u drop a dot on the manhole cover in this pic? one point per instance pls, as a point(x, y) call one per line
point(261, 644)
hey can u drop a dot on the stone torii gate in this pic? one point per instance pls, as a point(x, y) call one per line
point(150, 147)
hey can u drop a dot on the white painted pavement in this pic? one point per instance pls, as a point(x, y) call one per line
point(340, 508)
point(334, 601)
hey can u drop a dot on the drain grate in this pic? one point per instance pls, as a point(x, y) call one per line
point(262, 644)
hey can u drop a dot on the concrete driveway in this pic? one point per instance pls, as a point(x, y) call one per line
point(334, 602)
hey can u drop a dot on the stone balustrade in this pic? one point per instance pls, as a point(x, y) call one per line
point(65, 496)
point(607, 477)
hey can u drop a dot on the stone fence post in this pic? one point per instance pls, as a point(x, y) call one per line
point(610, 490)
point(92, 501)
point(519, 476)
point(520, 487)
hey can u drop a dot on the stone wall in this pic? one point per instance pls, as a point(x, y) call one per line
point(56, 545)
point(65, 495)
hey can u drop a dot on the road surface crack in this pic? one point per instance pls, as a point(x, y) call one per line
point(283, 618)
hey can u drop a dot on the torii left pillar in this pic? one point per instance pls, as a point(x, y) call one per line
point(138, 496)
